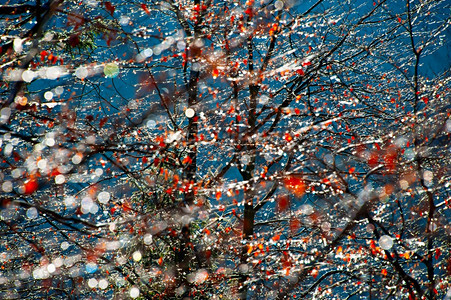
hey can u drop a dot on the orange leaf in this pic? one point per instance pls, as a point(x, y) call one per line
point(295, 185)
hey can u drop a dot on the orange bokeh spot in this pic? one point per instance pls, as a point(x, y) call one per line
point(295, 185)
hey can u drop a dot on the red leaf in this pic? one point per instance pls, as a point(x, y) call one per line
point(282, 203)
point(109, 7)
point(30, 186)
point(144, 7)
point(373, 159)
point(103, 121)
point(43, 55)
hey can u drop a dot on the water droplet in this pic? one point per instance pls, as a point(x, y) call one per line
point(189, 113)
point(137, 256)
point(92, 283)
point(51, 268)
point(48, 95)
point(134, 292)
point(111, 70)
point(91, 268)
point(7, 186)
point(77, 158)
point(18, 45)
point(103, 284)
point(32, 213)
point(278, 5)
point(148, 239)
point(28, 75)
point(81, 72)
point(151, 124)
point(103, 197)
point(386, 242)
point(65, 245)
point(59, 90)
point(60, 179)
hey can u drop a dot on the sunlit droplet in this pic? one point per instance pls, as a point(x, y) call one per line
point(32, 213)
point(7, 186)
point(28, 75)
point(103, 284)
point(148, 239)
point(111, 70)
point(81, 72)
point(48, 95)
point(134, 292)
point(278, 5)
point(77, 158)
point(103, 197)
point(92, 283)
point(137, 256)
point(385, 242)
point(51, 268)
point(64, 245)
point(60, 179)
point(189, 113)
point(18, 45)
